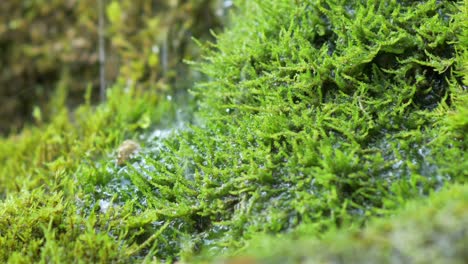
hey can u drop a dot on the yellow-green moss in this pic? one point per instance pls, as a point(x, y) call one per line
point(315, 116)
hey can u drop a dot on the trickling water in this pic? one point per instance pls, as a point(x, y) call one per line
point(420, 162)
point(223, 8)
point(121, 188)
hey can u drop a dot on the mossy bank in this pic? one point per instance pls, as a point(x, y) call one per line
point(317, 118)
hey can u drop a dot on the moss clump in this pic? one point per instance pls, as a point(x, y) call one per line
point(47, 229)
point(42, 217)
point(406, 237)
point(317, 115)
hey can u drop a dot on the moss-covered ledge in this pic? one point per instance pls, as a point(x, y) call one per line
point(317, 117)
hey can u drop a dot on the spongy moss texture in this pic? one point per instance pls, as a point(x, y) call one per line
point(317, 115)
point(407, 237)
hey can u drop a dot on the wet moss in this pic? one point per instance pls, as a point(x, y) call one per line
point(292, 133)
point(316, 116)
point(406, 237)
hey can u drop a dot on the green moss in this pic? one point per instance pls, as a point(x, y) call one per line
point(43, 226)
point(407, 237)
point(316, 116)
point(326, 124)
point(41, 216)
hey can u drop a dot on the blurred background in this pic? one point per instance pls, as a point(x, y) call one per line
point(48, 46)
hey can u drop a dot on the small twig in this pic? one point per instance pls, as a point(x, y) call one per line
point(102, 52)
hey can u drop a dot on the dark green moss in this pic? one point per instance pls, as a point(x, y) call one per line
point(407, 237)
point(316, 116)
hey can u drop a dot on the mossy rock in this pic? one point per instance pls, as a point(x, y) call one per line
point(317, 116)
